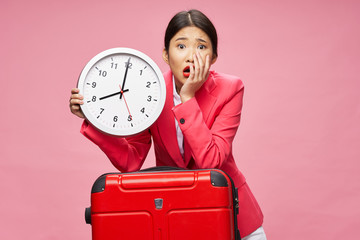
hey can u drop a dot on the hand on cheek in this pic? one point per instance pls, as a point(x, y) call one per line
point(199, 72)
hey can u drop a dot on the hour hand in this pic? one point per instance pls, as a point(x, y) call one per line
point(110, 95)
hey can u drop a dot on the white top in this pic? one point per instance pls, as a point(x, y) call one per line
point(179, 135)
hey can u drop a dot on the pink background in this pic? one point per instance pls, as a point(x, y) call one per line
point(298, 143)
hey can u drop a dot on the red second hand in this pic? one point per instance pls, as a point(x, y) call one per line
point(122, 92)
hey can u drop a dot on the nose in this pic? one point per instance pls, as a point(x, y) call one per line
point(190, 57)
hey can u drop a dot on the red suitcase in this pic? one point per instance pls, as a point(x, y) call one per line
point(164, 204)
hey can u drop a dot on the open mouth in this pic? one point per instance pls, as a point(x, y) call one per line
point(186, 71)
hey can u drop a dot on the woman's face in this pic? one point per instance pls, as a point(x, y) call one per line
point(182, 48)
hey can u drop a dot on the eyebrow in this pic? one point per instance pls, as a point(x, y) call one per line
point(184, 38)
point(201, 40)
point(181, 38)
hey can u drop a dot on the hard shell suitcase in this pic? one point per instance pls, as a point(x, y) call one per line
point(164, 204)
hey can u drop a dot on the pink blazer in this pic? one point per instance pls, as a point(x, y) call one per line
point(208, 122)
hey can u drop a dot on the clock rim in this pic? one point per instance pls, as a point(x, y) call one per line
point(161, 102)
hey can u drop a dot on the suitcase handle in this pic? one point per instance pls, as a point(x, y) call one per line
point(157, 179)
point(161, 169)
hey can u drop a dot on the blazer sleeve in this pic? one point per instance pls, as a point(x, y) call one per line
point(211, 146)
point(126, 154)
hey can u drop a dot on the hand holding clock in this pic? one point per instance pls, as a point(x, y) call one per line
point(76, 100)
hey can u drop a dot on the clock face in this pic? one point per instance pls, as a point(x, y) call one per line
point(124, 91)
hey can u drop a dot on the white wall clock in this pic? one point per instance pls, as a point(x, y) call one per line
point(124, 91)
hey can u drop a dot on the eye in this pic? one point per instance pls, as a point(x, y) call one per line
point(201, 47)
point(181, 46)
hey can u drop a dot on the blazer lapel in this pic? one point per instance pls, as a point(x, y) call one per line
point(205, 99)
point(206, 102)
point(166, 124)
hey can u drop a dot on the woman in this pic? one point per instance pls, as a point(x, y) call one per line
point(199, 120)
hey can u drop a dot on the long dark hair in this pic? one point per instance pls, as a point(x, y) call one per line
point(187, 19)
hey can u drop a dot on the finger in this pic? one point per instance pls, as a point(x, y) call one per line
point(207, 66)
point(76, 101)
point(76, 96)
point(75, 108)
point(192, 72)
point(196, 67)
point(75, 90)
point(201, 65)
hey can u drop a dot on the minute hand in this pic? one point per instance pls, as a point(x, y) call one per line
point(126, 70)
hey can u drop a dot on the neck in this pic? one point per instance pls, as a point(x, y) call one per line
point(177, 89)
